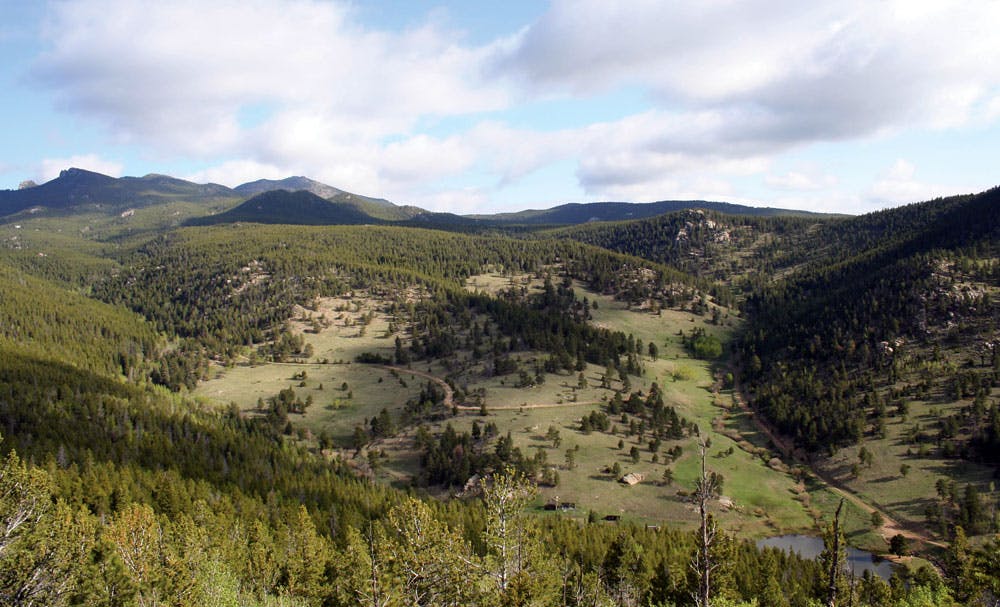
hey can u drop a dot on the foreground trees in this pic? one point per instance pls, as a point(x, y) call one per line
point(219, 550)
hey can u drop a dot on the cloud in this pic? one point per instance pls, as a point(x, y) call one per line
point(657, 155)
point(899, 185)
point(237, 172)
point(51, 167)
point(276, 87)
point(462, 201)
point(801, 181)
point(827, 201)
point(800, 72)
point(422, 157)
point(178, 74)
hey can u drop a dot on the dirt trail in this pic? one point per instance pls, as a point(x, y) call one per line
point(890, 526)
point(449, 394)
point(580, 403)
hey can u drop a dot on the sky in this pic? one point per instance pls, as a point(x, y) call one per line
point(473, 107)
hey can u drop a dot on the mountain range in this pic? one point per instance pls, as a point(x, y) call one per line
point(262, 201)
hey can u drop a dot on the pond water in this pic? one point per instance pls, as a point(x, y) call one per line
point(810, 547)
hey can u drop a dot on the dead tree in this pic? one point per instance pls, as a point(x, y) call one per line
point(835, 561)
point(705, 562)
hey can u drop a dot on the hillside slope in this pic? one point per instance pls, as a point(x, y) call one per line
point(881, 291)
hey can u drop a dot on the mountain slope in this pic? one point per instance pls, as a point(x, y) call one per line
point(78, 190)
point(375, 207)
point(40, 319)
point(823, 347)
point(703, 243)
point(283, 207)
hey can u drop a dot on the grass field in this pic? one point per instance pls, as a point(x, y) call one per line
point(765, 501)
point(905, 497)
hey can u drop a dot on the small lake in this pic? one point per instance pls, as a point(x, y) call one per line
point(810, 547)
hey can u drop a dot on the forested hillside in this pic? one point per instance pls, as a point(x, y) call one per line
point(890, 293)
point(230, 287)
point(579, 213)
point(735, 253)
point(41, 320)
point(830, 302)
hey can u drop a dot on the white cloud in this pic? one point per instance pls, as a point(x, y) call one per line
point(803, 71)
point(827, 201)
point(463, 201)
point(236, 172)
point(177, 74)
point(899, 185)
point(422, 158)
point(268, 88)
point(693, 188)
point(656, 155)
point(51, 167)
point(993, 108)
point(801, 181)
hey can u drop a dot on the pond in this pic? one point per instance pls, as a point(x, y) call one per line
point(810, 547)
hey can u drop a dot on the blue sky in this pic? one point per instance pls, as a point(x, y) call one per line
point(476, 107)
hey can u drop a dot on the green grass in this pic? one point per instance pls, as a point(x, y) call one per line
point(765, 500)
point(906, 497)
point(331, 365)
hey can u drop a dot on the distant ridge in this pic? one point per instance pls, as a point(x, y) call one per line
point(577, 213)
point(79, 188)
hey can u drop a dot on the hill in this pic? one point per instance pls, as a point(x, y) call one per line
point(377, 208)
point(880, 351)
point(729, 249)
point(301, 207)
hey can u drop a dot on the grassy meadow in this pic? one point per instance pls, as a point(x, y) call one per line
point(760, 499)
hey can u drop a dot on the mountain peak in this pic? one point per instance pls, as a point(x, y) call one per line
point(288, 183)
point(76, 174)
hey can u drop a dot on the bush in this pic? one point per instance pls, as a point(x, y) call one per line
point(706, 347)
